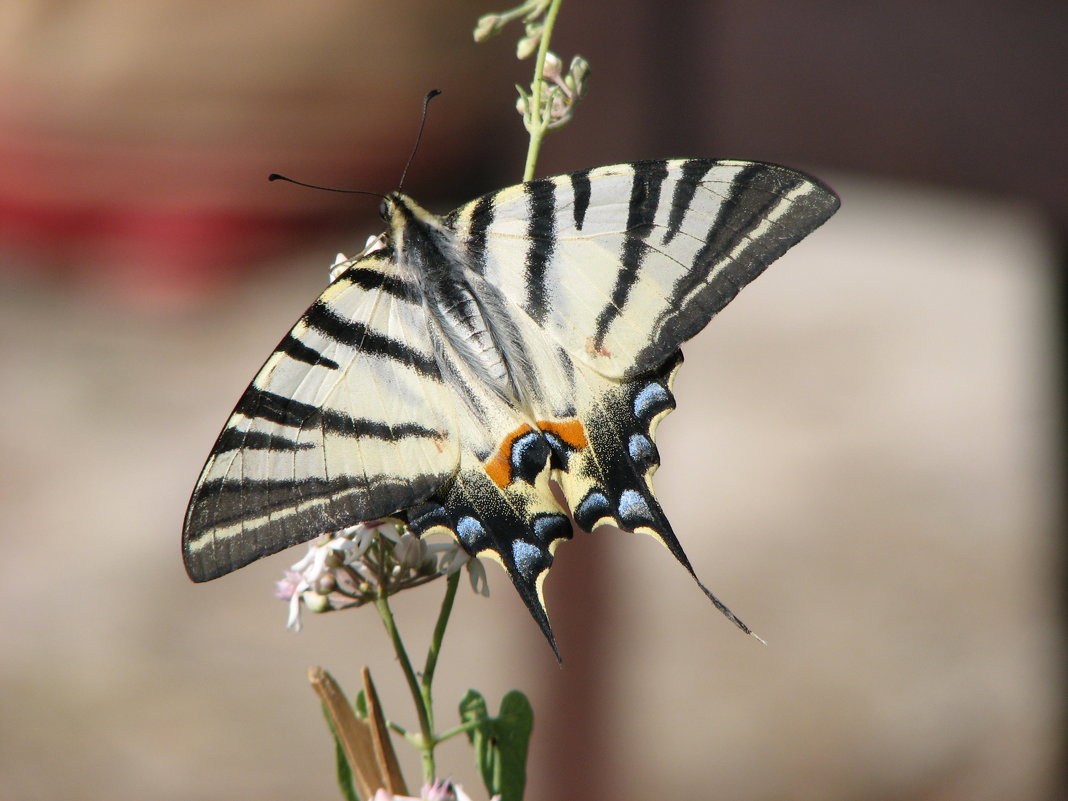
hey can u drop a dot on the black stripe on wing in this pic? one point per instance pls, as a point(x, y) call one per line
point(295, 349)
point(580, 187)
point(482, 215)
point(682, 198)
point(767, 209)
point(374, 280)
point(232, 522)
point(263, 405)
point(541, 234)
point(359, 335)
point(641, 211)
point(235, 439)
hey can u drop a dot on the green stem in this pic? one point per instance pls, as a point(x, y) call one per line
point(463, 728)
point(425, 684)
point(426, 729)
point(452, 582)
point(420, 688)
point(539, 111)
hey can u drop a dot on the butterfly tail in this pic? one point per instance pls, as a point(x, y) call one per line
point(518, 525)
point(611, 481)
point(659, 527)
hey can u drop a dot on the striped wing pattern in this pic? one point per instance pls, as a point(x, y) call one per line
point(623, 263)
point(351, 394)
point(528, 338)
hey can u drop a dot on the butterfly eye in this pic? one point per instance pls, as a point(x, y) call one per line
point(383, 210)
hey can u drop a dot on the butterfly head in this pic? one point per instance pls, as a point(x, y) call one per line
point(414, 232)
point(398, 210)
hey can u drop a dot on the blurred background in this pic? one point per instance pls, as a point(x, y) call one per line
point(866, 462)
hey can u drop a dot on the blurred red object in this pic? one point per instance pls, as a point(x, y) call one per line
point(144, 220)
point(135, 140)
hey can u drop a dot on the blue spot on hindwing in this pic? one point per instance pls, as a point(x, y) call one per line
point(652, 398)
point(471, 533)
point(528, 456)
point(642, 451)
point(592, 508)
point(633, 509)
point(549, 527)
point(529, 559)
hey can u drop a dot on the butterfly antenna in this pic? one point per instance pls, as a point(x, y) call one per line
point(419, 136)
point(274, 176)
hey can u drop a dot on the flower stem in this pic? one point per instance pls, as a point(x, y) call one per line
point(420, 687)
point(452, 582)
point(427, 740)
point(539, 111)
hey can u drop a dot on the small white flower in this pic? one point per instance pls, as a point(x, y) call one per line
point(476, 572)
point(487, 26)
point(552, 70)
point(343, 262)
point(372, 244)
point(410, 551)
point(315, 571)
point(451, 557)
point(343, 569)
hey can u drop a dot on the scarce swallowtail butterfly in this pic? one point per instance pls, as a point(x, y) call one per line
point(448, 375)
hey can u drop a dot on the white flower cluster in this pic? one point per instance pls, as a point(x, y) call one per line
point(354, 566)
point(564, 89)
point(551, 104)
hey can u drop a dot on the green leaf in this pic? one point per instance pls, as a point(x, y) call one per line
point(343, 771)
point(344, 774)
point(500, 743)
point(473, 710)
point(360, 705)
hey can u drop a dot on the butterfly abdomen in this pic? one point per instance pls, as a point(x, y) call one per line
point(471, 339)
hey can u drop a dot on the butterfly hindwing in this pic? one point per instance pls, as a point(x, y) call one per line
point(347, 421)
point(605, 273)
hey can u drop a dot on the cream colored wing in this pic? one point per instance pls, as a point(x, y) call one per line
point(349, 420)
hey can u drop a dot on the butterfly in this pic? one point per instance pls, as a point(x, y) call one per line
point(455, 372)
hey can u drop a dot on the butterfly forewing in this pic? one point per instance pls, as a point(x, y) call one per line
point(637, 257)
point(347, 421)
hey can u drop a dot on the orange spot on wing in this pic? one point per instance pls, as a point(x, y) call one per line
point(570, 431)
point(499, 466)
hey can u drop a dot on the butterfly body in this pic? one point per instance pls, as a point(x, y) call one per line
point(449, 377)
